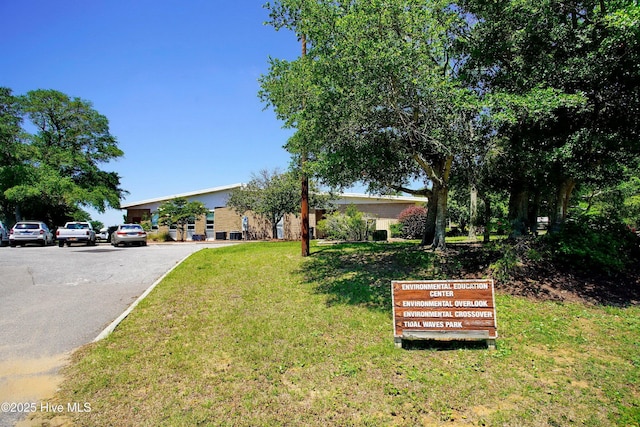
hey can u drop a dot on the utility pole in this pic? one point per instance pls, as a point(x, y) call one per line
point(304, 206)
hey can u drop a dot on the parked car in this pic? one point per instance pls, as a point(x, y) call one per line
point(76, 232)
point(106, 232)
point(129, 233)
point(30, 232)
point(4, 234)
point(103, 234)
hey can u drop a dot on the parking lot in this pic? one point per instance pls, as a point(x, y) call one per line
point(53, 300)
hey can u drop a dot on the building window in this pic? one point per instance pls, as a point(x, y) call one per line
point(210, 217)
point(191, 225)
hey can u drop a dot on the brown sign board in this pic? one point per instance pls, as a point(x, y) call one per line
point(444, 309)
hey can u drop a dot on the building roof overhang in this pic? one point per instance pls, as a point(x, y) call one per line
point(181, 195)
point(344, 198)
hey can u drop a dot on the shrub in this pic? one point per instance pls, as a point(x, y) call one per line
point(505, 267)
point(350, 225)
point(413, 220)
point(500, 226)
point(159, 236)
point(593, 244)
point(396, 230)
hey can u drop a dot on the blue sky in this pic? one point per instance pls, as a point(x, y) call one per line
point(178, 81)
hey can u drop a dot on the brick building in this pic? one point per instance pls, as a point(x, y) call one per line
point(224, 223)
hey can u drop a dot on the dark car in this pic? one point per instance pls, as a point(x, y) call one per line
point(4, 234)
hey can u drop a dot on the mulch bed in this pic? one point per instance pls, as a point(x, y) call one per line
point(544, 281)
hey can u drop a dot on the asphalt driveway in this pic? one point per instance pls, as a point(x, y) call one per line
point(53, 300)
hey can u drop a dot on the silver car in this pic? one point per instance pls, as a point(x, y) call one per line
point(129, 233)
point(30, 232)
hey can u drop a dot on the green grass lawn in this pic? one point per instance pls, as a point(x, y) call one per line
point(255, 335)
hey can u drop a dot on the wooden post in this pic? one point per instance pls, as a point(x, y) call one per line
point(304, 207)
point(304, 214)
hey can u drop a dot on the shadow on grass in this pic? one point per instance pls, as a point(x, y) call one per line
point(361, 273)
point(436, 345)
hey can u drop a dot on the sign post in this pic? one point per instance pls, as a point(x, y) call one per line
point(444, 310)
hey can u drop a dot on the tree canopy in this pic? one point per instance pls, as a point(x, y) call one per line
point(272, 195)
point(379, 94)
point(54, 172)
point(583, 48)
point(179, 212)
point(529, 95)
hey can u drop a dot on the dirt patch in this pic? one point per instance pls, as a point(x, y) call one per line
point(25, 379)
point(26, 383)
point(38, 420)
point(564, 284)
point(546, 281)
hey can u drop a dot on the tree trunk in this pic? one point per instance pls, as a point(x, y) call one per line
point(518, 211)
point(562, 203)
point(304, 213)
point(304, 204)
point(441, 218)
point(473, 212)
point(438, 171)
point(430, 223)
point(487, 219)
point(534, 209)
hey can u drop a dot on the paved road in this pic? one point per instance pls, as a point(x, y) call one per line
point(53, 300)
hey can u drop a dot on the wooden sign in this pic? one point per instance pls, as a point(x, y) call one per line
point(444, 310)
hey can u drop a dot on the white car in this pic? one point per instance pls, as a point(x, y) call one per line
point(103, 234)
point(30, 232)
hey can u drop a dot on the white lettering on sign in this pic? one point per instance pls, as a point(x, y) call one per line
point(412, 324)
point(465, 303)
point(443, 309)
point(428, 314)
point(437, 294)
point(428, 324)
point(425, 286)
point(432, 324)
point(485, 314)
point(470, 286)
point(427, 304)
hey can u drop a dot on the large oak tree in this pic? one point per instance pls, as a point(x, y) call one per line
point(377, 99)
point(589, 48)
point(380, 97)
point(55, 171)
point(398, 92)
